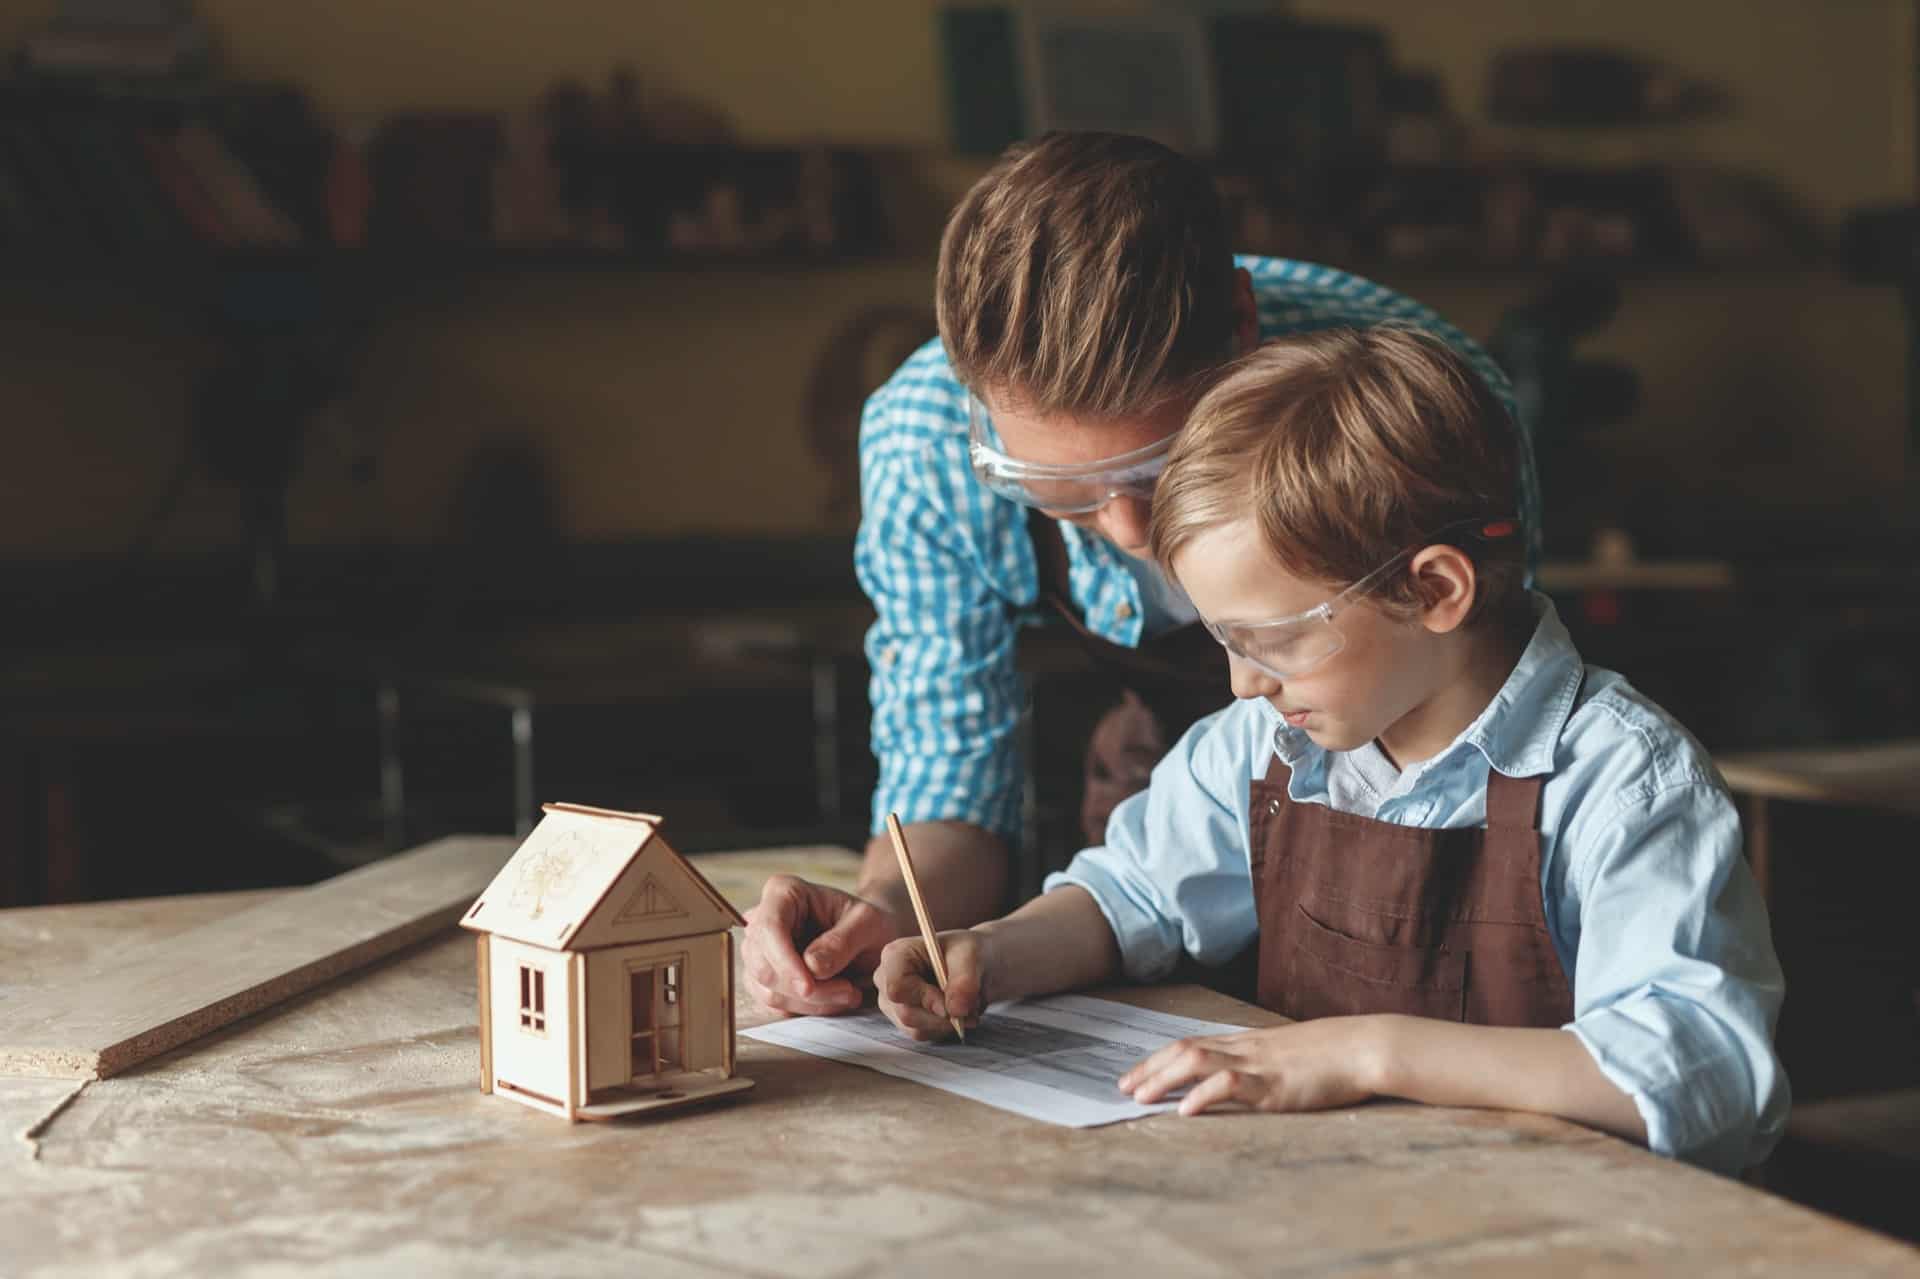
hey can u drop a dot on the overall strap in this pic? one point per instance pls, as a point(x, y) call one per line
point(1050, 557)
point(1513, 803)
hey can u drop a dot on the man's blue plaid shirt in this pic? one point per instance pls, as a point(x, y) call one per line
point(951, 573)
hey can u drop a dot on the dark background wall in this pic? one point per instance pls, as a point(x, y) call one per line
point(1773, 396)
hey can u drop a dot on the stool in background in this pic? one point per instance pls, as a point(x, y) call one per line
point(1854, 1154)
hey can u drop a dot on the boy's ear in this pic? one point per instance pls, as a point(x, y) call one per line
point(1447, 585)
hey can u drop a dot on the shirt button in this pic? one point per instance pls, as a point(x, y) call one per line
point(1124, 611)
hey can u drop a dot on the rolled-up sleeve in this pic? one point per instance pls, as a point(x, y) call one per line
point(1173, 876)
point(1677, 987)
point(945, 692)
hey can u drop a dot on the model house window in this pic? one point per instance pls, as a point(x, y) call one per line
point(673, 983)
point(533, 1000)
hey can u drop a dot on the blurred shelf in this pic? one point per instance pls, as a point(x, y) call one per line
point(1636, 575)
point(391, 264)
point(399, 266)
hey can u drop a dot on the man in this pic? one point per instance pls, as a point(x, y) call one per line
point(1087, 295)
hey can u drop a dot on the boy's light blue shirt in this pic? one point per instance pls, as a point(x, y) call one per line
point(949, 566)
point(1655, 916)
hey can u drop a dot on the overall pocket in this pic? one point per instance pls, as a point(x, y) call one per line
point(1330, 974)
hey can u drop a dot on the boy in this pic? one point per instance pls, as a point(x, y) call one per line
point(1481, 873)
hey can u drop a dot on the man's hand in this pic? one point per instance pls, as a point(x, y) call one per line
point(908, 993)
point(1310, 1065)
point(842, 936)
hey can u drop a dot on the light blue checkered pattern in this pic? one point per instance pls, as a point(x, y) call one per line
point(950, 569)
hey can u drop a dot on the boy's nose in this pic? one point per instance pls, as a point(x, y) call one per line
point(1249, 680)
point(1123, 521)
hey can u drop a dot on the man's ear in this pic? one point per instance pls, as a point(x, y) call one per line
point(1447, 585)
point(1246, 312)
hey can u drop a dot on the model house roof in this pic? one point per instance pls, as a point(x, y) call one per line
point(589, 877)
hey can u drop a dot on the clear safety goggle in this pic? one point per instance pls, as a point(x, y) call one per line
point(1060, 490)
point(1288, 647)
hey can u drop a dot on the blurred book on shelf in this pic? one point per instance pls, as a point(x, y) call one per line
point(1324, 147)
point(1327, 147)
point(234, 168)
point(118, 37)
point(1593, 86)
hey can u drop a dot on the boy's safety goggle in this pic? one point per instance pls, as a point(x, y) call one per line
point(1060, 490)
point(1288, 647)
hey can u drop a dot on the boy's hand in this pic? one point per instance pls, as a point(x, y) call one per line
point(1310, 1065)
point(909, 994)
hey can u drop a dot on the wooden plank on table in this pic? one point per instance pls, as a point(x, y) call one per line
point(143, 1000)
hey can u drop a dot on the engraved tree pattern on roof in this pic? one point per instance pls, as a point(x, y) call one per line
point(550, 872)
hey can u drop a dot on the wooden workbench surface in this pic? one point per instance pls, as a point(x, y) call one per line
point(1876, 775)
point(344, 1133)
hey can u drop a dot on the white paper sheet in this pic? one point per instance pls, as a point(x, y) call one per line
point(1055, 1059)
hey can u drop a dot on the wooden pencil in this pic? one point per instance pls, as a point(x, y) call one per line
point(899, 838)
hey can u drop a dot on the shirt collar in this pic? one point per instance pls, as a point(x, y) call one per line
point(1519, 728)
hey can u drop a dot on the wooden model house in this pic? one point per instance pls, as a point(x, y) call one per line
point(606, 971)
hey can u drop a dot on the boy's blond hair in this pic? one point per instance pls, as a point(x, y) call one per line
point(1088, 273)
point(1347, 446)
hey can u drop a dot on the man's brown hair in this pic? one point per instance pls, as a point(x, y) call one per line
point(1087, 272)
point(1347, 446)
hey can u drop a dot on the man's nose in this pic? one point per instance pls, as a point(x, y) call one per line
point(1249, 680)
point(1124, 521)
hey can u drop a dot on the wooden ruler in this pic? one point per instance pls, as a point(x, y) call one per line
point(140, 1001)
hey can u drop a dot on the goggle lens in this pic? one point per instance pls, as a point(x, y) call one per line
point(1284, 651)
point(1060, 490)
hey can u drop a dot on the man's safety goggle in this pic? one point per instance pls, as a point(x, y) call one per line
point(1060, 490)
point(1288, 647)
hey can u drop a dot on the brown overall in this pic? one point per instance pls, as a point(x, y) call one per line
point(1359, 915)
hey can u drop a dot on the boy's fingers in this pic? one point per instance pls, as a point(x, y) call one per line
point(913, 1019)
point(1220, 1086)
point(903, 968)
point(1149, 1065)
point(963, 993)
point(904, 992)
point(1184, 1062)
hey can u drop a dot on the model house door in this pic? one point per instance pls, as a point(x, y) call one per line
point(655, 1000)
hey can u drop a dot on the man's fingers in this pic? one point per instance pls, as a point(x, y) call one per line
point(828, 999)
point(767, 950)
point(855, 928)
point(834, 949)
